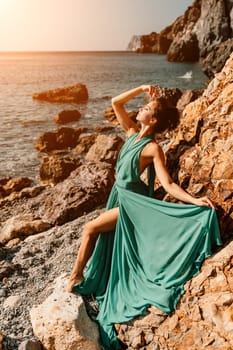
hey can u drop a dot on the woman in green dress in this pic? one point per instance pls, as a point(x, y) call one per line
point(141, 251)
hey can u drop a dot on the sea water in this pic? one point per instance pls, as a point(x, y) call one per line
point(106, 74)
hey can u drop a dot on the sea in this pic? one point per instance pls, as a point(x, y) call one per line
point(105, 74)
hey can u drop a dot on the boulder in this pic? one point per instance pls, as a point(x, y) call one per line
point(54, 169)
point(87, 187)
point(105, 149)
point(67, 116)
point(21, 225)
point(71, 94)
point(60, 139)
point(61, 321)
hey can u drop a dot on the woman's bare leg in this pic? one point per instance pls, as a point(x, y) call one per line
point(103, 223)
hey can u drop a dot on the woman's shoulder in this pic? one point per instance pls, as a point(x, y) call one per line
point(153, 148)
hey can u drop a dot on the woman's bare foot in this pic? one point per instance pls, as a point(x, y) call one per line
point(73, 281)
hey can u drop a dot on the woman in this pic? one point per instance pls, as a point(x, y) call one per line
point(147, 248)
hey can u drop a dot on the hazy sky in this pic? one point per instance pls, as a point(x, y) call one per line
point(28, 25)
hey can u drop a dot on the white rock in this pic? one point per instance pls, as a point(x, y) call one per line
point(61, 321)
point(12, 301)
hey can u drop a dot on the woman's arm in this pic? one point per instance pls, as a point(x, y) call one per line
point(170, 186)
point(119, 101)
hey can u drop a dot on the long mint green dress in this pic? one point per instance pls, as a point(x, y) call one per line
point(155, 248)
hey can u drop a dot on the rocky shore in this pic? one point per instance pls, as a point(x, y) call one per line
point(204, 33)
point(41, 226)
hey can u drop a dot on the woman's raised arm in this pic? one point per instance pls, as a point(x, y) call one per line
point(119, 101)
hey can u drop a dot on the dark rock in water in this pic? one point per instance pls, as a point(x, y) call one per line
point(67, 116)
point(71, 94)
point(56, 168)
point(86, 188)
point(62, 138)
point(216, 59)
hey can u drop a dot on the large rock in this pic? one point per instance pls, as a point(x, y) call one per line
point(61, 321)
point(60, 139)
point(151, 43)
point(54, 169)
point(86, 188)
point(202, 154)
point(22, 225)
point(184, 48)
point(213, 26)
point(203, 318)
point(105, 149)
point(216, 59)
point(70, 94)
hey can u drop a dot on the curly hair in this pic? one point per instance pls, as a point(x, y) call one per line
point(167, 117)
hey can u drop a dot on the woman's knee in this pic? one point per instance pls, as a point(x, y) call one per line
point(91, 229)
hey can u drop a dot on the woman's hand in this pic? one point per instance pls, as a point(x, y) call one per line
point(204, 202)
point(152, 90)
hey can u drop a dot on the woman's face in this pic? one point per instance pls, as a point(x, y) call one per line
point(146, 112)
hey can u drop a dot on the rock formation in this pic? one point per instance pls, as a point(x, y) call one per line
point(202, 154)
point(59, 140)
point(204, 32)
point(86, 188)
point(71, 94)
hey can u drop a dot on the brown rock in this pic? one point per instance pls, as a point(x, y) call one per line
point(105, 149)
point(55, 169)
point(15, 185)
point(67, 116)
point(61, 139)
point(22, 225)
point(70, 94)
point(85, 143)
point(187, 97)
point(87, 187)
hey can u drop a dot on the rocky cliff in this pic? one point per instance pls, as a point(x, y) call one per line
point(203, 33)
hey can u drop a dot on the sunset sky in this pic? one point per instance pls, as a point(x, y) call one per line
point(47, 25)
